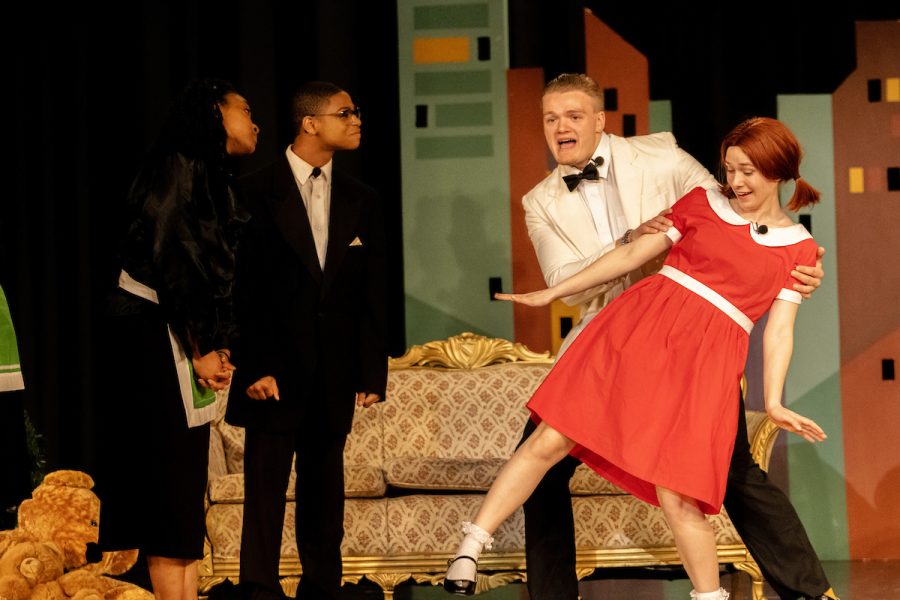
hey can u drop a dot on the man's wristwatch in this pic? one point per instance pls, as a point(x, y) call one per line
point(626, 238)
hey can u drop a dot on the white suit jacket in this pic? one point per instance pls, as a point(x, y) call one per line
point(651, 173)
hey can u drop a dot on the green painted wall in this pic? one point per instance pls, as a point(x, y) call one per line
point(660, 116)
point(813, 386)
point(455, 172)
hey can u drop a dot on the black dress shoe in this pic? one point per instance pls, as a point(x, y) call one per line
point(462, 587)
point(252, 591)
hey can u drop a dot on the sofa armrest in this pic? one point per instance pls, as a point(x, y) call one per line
point(762, 433)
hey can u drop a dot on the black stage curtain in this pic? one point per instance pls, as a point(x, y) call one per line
point(90, 84)
point(85, 103)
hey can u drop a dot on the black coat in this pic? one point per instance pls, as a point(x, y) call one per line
point(322, 335)
point(183, 225)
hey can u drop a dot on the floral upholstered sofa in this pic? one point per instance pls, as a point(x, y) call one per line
point(418, 464)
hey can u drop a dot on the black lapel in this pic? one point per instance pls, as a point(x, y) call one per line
point(289, 213)
point(342, 226)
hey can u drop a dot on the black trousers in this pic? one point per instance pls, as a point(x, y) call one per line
point(319, 511)
point(761, 513)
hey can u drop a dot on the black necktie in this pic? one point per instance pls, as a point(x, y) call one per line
point(316, 172)
point(589, 173)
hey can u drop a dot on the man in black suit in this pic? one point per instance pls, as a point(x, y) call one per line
point(310, 301)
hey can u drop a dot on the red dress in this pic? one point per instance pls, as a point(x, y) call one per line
point(647, 390)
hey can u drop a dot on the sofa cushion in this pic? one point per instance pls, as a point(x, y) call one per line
point(587, 482)
point(419, 524)
point(233, 444)
point(228, 488)
point(216, 467)
point(223, 529)
point(458, 413)
point(364, 443)
point(475, 475)
point(365, 526)
point(607, 522)
point(454, 474)
point(433, 523)
point(363, 447)
point(364, 481)
point(360, 481)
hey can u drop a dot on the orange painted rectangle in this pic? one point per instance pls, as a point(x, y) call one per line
point(527, 166)
point(441, 50)
point(875, 180)
point(870, 404)
point(615, 63)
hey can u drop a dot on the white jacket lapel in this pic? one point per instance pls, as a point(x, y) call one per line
point(629, 179)
point(569, 209)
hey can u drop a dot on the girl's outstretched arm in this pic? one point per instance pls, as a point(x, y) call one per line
point(611, 265)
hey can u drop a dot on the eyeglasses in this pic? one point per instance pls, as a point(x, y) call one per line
point(344, 114)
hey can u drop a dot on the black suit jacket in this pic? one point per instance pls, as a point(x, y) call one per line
point(322, 335)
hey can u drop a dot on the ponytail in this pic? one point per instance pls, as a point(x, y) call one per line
point(804, 195)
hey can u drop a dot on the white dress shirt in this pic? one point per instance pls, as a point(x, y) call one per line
point(316, 194)
point(602, 197)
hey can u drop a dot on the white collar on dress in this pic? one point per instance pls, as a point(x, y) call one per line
point(774, 237)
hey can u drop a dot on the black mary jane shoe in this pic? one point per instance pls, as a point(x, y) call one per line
point(461, 587)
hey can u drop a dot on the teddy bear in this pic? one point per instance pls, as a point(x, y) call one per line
point(26, 564)
point(45, 557)
point(64, 510)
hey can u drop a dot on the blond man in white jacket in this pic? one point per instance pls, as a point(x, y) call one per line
point(637, 179)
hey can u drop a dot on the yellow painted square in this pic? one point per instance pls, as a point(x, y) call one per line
point(892, 89)
point(857, 185)
point(440, 50)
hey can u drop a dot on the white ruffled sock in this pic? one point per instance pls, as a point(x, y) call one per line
point(476, 540)
point(719, 594)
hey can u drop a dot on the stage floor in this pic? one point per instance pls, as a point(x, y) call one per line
point(853, 580)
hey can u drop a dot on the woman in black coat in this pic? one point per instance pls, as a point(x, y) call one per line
point(169, 329)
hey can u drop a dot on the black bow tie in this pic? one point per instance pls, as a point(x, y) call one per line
point(589, 173)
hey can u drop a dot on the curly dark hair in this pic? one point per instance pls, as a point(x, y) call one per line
point(193, 126)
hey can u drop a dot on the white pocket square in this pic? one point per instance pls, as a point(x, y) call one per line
point(356, 242)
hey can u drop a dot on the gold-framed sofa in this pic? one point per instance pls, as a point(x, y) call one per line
point(418, 464)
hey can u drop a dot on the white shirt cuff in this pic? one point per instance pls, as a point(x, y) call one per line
point(790, 295)
point(674, 235)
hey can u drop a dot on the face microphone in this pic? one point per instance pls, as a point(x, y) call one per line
point(760, 229)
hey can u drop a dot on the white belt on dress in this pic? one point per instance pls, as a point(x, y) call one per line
point(708, 294)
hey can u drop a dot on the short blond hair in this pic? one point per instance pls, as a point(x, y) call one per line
point(567, 82)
